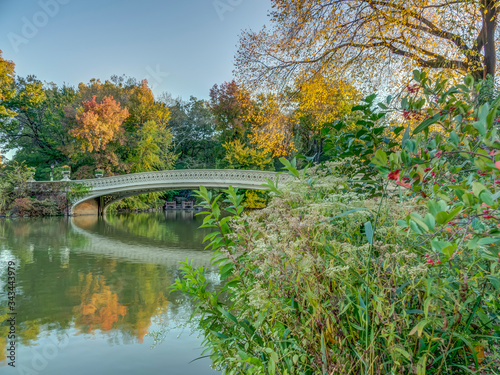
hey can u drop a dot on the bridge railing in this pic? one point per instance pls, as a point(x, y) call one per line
point(198, 176)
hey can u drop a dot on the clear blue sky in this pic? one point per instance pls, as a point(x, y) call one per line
point(181, 46)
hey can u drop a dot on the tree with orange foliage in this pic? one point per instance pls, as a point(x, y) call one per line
point(97, 124)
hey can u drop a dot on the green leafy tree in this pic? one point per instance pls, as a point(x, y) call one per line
point(152, 149)
point(195, 136)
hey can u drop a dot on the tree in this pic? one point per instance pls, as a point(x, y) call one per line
point(97, 124)
point(36, 132)
point(240, 156)
point(143, 108)
point(232, 107)
point(151, 151)
point(319, 101)
point(6, 85)
point(195, 137)
point(314, 35)
point(272, 128)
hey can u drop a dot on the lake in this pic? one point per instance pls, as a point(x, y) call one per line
point(92, 294)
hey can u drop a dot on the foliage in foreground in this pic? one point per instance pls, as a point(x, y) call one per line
point(327, 281)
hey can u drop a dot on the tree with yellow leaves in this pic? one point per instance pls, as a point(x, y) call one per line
point(311, 35)
point(241, 156)
point(319, 101)
point(271, 126)
point(6, 85)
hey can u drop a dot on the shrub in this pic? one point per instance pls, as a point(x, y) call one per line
point(327, 280)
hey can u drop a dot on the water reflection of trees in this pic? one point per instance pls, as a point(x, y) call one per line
point(60, 287)
point(100, 307)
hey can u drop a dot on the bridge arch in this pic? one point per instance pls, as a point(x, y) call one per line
point(111, 189)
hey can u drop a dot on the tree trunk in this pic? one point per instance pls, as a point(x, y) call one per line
point(490, 13)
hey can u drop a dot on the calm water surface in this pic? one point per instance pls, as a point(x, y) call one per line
point(92, 294)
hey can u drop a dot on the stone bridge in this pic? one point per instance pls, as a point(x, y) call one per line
point(107, 190)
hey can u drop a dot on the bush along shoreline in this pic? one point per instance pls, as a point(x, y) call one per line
point(401, 277)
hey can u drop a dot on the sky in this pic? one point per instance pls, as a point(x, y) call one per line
point(183, 47)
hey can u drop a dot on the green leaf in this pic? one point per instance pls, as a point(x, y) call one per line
point(442, 217)
point(419, 328)
point(430, 221)
point(228, 315)
point(416, 75)
point(406, 135)
point(486, 197)
point(488, 240)
point(422, 365)
point(454, 213)
point(449, 250)
point(477, 188)
point(491, 116)
point(426, 123)
point(434, 207)
point(418, 219)
point(415, 227)
point(439, 245)
point(454, 138)
point(480, 124)
point(226, 270)
point(293, 171)
point(370, 99)
point(369, 232)
point(469, 80)
point(380, 158)
point(244, 356)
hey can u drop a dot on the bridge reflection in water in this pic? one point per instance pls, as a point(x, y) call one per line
point(167, 245)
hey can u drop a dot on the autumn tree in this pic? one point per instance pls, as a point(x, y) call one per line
point(272, 126)
point(97, 124)
point(143, 108)
point(121, 88)
point(97, 129)
point(6, 85)
point(232, 108)
point(319, 101)
point(314, 35)
point(241, 156)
